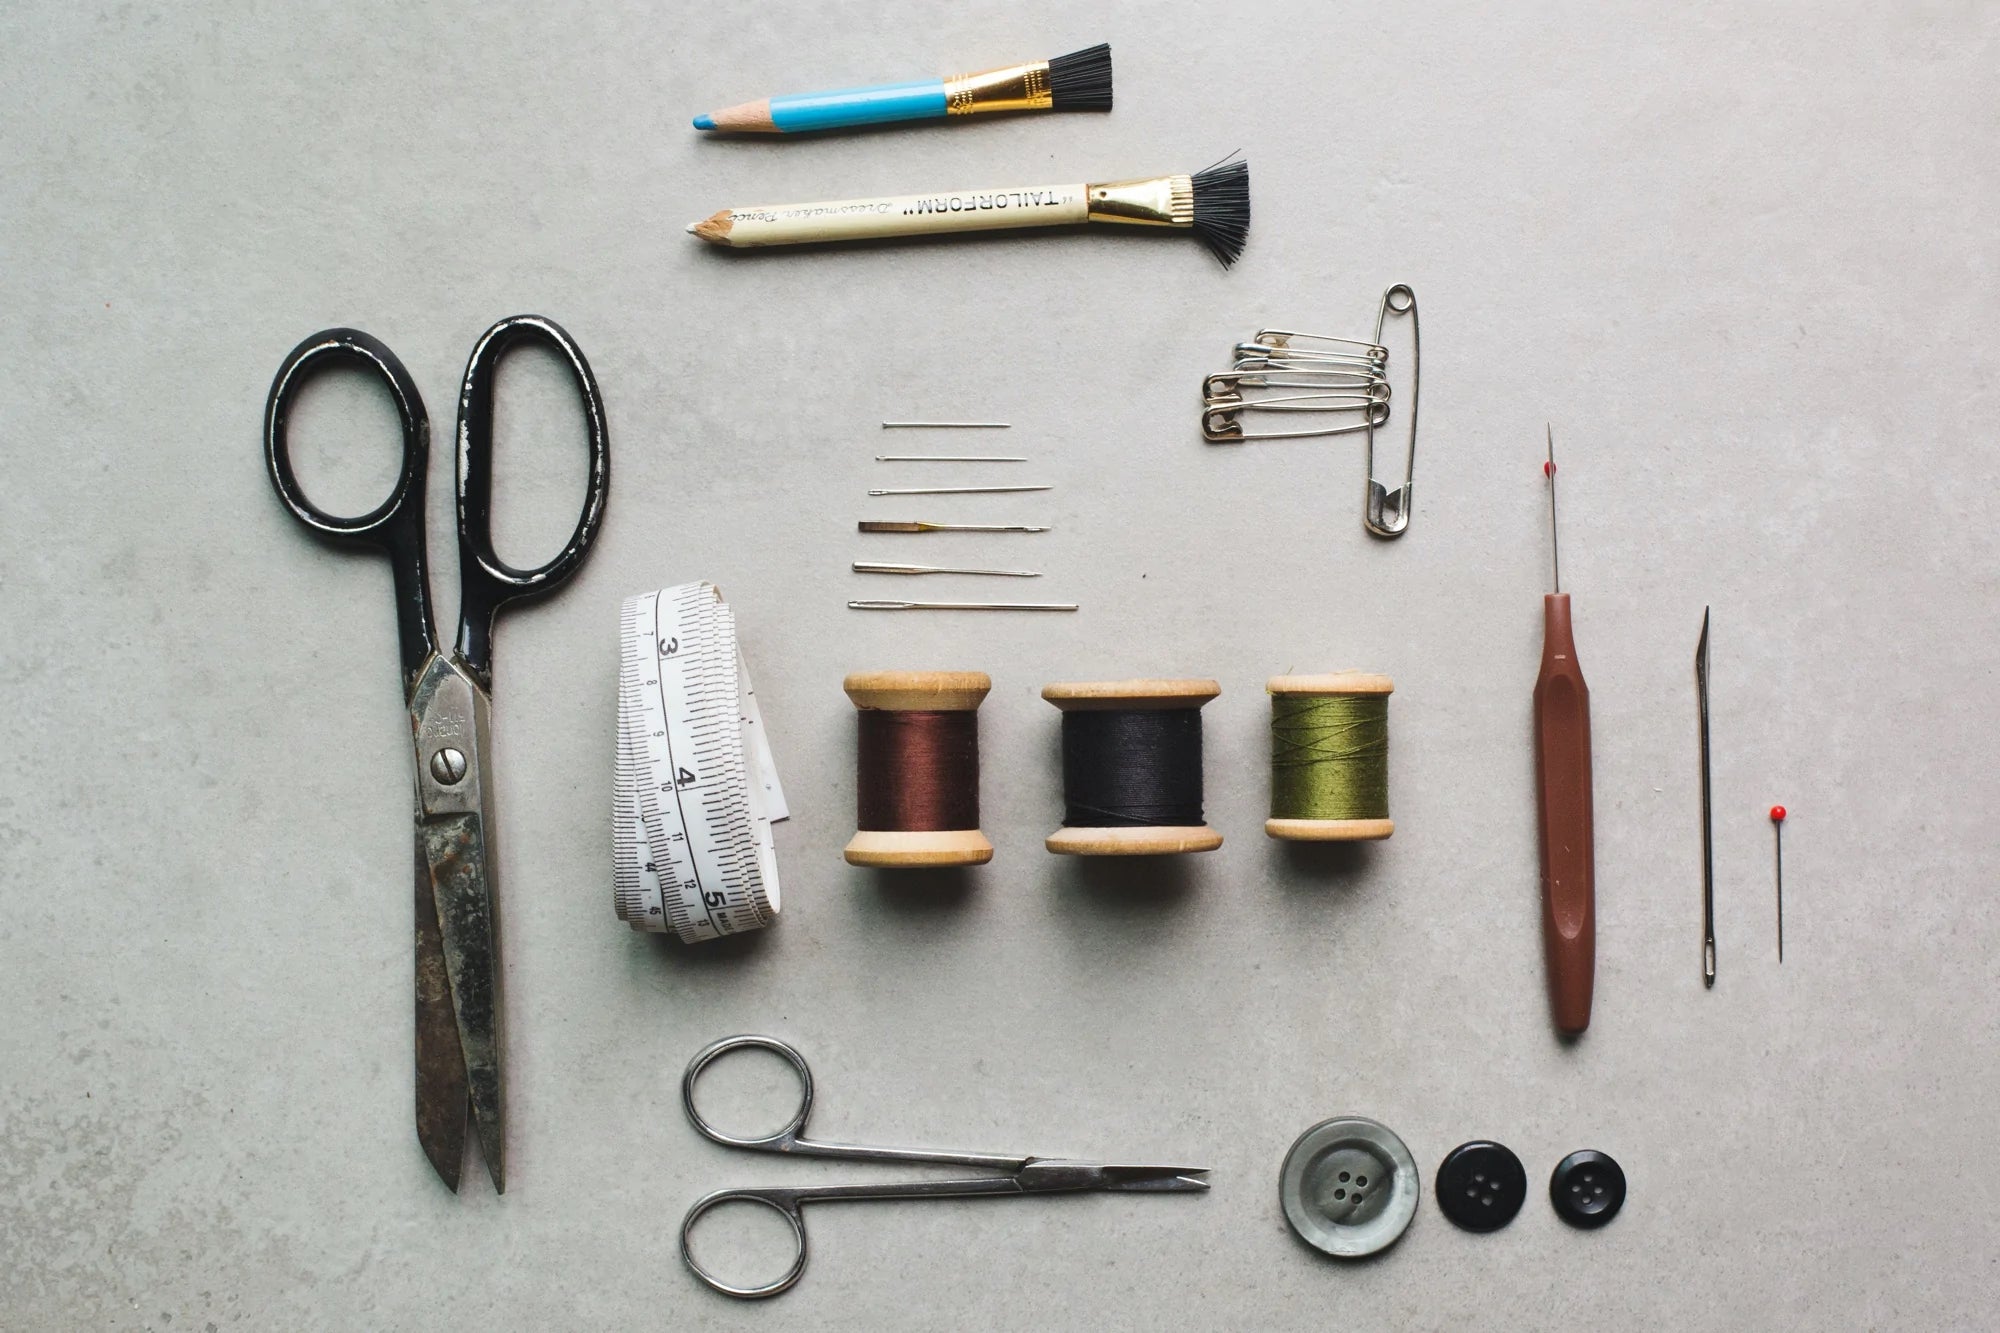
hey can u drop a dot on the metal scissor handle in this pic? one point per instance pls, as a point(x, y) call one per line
point(784, 1139)
point(486, 581)
point(395, 526)
point(786, 1203)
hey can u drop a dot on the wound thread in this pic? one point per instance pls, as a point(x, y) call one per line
point(917, 771)
point(1136, 769)
point(916, 790)
point(1330, 756)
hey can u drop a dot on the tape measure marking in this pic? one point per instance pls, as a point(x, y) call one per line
point(696, 790)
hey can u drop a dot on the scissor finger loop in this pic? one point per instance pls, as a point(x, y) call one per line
point(475, 450)
point(785, 1202)
point(488, 582)
point(321, 352)
point(784, 1139)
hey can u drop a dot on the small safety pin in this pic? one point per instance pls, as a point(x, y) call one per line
point(1388, 511)
point(1229, 383)
point(1297, 402)
point(1220, 424)
point(1269, 356)
point(1288, 340)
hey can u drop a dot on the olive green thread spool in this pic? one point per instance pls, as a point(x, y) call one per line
point(1330, 757)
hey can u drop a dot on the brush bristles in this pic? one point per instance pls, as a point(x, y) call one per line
point(1222, 209)
point(1081, 80)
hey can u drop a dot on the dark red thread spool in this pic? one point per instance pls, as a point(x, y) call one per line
point(917, 769)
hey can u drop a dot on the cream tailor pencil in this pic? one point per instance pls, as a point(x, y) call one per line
point(1214, 205)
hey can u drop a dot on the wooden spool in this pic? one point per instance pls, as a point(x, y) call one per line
point(1330, 830)
point(918, 691)
point(1131, 696)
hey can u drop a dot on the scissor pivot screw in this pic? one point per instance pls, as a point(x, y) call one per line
point(448, 766)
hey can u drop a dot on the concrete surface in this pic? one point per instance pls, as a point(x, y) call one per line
point(1743, 257)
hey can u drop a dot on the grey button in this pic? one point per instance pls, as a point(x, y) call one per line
point(1349, 1187)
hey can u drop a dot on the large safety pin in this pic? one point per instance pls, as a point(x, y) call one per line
point(1388, 511)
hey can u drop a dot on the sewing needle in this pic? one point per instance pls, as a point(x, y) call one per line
point(905, 525)
point(1707, 819)
point(883, 567)
point(960, 606)
point(954, 490)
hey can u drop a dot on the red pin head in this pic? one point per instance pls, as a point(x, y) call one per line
point(1549, 468)
point(1777, 814)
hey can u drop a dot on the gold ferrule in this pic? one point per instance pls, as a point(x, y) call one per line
point(1015, 88)
point(1163, 201)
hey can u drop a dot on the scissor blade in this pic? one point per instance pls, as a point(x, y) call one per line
point(455, 848)
point(1156, 1179)
point(1048, 1175)
point(441, 1086)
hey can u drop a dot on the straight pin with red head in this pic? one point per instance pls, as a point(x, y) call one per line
point(1778, 837)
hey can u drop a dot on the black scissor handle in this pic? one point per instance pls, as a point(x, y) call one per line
point(488, 582)
point(397, 524)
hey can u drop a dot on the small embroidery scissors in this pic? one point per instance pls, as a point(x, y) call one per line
point(1024, 1175)
point(449, 694)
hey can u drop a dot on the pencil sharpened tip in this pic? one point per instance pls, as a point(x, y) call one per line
point(704, 121)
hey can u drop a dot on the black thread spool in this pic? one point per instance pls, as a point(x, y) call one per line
point(1132, 781)
point(917, 769)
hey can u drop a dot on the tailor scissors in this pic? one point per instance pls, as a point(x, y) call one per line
point(1024, 1175)
point(449, 694)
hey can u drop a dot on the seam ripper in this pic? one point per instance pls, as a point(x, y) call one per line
point(1562, 789)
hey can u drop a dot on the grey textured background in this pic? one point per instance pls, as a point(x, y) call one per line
point(1744, 258)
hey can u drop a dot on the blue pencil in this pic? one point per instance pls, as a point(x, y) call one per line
point(1079, 81)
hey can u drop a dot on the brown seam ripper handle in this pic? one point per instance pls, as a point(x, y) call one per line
point(1562, 788)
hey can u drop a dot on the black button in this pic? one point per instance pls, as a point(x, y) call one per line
point(1587, 1189)
point(1480, 1185)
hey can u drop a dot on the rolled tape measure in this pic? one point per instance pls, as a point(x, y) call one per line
point(696, 790)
